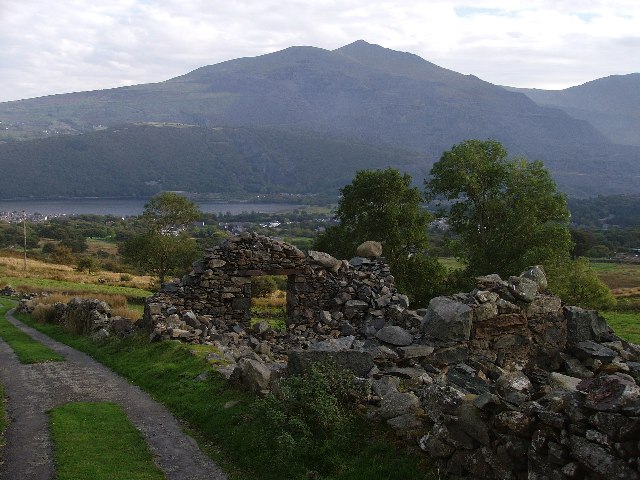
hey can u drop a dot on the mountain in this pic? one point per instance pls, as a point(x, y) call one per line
point(141, 160)
point(611, 104)
point(361, 93)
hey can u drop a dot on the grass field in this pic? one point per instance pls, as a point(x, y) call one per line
point(96, 441)
point(625, 324)
point(26, 348)
point(12, 272)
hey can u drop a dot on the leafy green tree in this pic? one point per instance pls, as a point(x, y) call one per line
point(170, 212)
point(165, 247)
point(508, 213)
point(382, 205)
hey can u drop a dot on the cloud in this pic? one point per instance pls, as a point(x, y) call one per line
point(74, 45)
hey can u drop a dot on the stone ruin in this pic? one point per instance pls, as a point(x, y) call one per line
point(502, 382)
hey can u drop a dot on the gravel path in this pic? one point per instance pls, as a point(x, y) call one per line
point(33, 389)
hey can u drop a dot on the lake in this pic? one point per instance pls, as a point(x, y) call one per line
point(123, 207)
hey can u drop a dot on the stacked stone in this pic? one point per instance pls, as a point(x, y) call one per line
point(326, 297)
point(537, 391)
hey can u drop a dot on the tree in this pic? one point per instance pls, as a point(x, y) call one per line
point(164, 247)
point(382, 205)
point(169, 212)
point(508, 213)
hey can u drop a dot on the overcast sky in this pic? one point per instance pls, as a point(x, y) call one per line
point(60, 46)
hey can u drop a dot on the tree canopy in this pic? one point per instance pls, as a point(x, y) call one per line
point(165, 247)
point(382, 205)
point(169, 211)
point(507, 213)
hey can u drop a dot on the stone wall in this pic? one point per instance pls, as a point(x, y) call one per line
point(502, 382)
point(323, 293)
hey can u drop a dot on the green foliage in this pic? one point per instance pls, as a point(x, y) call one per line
point(382, 205)
point(169, 212)
point(307, 414)
point(26, 348)
point(263, 286)
point(508, 214)
point(87, 263)
point(160, 254)
point(576, 283)
point(62, 254)
point(12, 235)
point(165, 248)
point(97, 441)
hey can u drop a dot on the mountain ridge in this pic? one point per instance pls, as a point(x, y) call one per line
point(360, 93)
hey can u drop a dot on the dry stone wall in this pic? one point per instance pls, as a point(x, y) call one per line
point(503, 382)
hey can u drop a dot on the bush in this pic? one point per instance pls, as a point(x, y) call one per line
point(125, 277)
point(308, 413)
point(263, 286)
point(575, 282)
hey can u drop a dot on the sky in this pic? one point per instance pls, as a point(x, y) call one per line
point(49, 47)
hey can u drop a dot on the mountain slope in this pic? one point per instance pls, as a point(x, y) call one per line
point(140, 160)
point(611, 104)
point(362, 93)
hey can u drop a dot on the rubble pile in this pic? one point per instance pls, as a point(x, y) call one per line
point(501, 382)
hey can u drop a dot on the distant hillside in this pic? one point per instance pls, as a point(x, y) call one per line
point(140, 160)
point(362, 93)
point(610, 104)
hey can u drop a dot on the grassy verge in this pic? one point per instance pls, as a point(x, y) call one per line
point(625, 324)
point(26, 348)
point(227, 423)
point(97, 441)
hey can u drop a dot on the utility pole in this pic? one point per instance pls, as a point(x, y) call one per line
point(24, 229)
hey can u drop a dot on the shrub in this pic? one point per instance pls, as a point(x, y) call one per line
point(263, 286)
point(125, 277)
point(307, 413)
point(43, 313)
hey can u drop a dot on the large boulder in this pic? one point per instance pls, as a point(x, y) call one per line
point(448, 320)
point(369, 249)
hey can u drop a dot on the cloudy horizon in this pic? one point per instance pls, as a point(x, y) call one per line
point(74, 45)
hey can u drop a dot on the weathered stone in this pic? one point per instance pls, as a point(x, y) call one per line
point(469, 420)
point(523, 288)
point(394, 335)
point(592, 350)
point(358, 362)
point(254, 374)
point(583, 325)
point(406, 422)
point(514, 423)
point(536, 274)
point(597, 459)
point(333, 344)
point(448, 320)
point(369, 249)
point(325, 260)
point(395, 404)
point(563, 382)
point(415, 351)
point(612, 393)
point(449, 355)
point(514, 381)
point(485, 311)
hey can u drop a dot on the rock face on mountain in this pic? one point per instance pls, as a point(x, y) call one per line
point(361, 92)
point(502, 382)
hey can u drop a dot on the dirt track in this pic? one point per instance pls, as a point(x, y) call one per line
point(34, 389)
